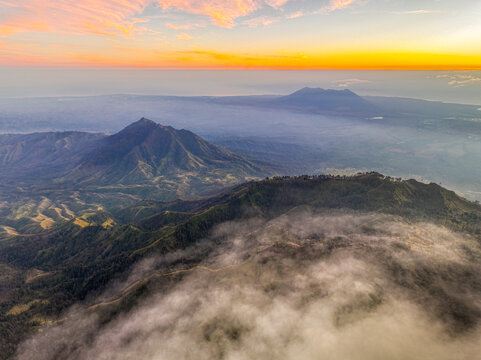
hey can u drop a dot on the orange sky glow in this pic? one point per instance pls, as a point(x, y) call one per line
point(242, 34)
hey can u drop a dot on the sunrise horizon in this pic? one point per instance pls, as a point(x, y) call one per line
point(244, 34)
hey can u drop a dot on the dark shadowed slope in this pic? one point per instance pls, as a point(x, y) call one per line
point(43, 154)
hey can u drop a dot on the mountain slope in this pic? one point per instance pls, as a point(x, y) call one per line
point(51, 178)
point(145, 152)
point(44, 154)
point(51, 271)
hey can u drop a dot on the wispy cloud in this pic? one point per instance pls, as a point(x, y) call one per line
point(111, 17)
point(189, 26)
point(261, 21)
point(221, 13)
point(296, 15)
point(335, 5)
point(460, 80)
point(340, 4)
point(416, 12)
point(218, 56)
point(183, 36)
point(108, 17)
point(350, 82)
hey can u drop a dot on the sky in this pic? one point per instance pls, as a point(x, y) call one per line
point(241, 34)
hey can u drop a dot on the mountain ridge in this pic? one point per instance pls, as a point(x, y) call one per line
point(29, 154)
point(57, 178)
point(146, 150)
point(79, 258)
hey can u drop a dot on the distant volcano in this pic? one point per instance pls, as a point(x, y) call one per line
point(317, 99)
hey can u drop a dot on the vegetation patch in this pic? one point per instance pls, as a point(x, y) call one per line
point(80, 222)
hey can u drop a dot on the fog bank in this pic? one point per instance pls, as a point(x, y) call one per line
point(303, 286)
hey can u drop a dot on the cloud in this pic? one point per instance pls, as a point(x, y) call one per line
point(335, 5)
point(215, 59)
point(215, 55)
point(351, 285)
point(114, 18)
point(107, 17)
point(416, 12)
point(221, 13)
point(110, 17)
point(350, 82)
point(183, 36)
point(296, 15)
point(340, 4)
point(260, 21)
point(184, 26)
point(460, 80)
point(126, 18)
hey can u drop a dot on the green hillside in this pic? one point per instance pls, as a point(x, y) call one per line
point(44, 274)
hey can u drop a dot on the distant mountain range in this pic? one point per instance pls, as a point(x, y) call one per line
point(345, 102)
point(90, 113)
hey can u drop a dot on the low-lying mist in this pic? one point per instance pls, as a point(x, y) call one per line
point(302, 286)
